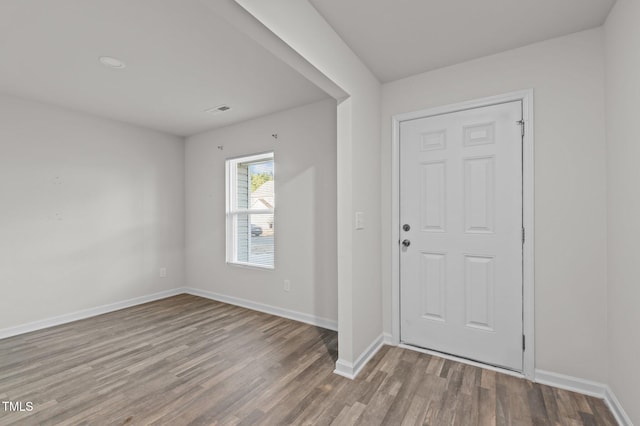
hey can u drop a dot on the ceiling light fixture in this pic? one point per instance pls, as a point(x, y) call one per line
point(110, 62)
point(218, 109)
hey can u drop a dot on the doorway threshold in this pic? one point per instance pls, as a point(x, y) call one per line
point(462, 360)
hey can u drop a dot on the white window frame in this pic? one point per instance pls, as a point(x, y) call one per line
point(231, 167)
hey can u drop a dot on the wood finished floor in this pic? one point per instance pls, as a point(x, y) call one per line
point(188, 360)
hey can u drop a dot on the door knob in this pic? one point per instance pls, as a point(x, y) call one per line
point(406, 243)
point(406, 227)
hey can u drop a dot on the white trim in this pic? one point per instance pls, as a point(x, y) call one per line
point(570, 383)
point(351, 371)
point(462, 360)
point(344, 369)
point(85, 313)
point(395, 231)
point(586, 387)
point(246, 265)
point(99, 310)
point(250, 211)
point(528, 294)
point(528, 248)
point(231, 189)
point(614, 405)
point(268, 309)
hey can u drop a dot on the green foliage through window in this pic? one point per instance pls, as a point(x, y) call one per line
point(257, 179)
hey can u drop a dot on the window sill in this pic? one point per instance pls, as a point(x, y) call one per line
point(251, 266)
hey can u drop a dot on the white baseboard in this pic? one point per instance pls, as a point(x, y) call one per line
point(99, 310)
point(351, 371)
point(388, 339)
point(616, 408)
point(586, 387)
point(268, 309)
point(343, 368)
point(573, 384)
point(85, 313)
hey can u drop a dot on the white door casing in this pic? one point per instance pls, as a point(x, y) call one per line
point(461, 194)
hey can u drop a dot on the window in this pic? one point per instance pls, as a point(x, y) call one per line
point(250, 210)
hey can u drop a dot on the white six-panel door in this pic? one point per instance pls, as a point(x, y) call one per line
point(461, 197)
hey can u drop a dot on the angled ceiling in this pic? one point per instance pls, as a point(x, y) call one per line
point(399, 38)
point(181, 59)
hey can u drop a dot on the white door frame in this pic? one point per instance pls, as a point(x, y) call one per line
point(528, 294)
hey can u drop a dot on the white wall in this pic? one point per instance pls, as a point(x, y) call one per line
point(305, 221)
point(299, 25)
point(90, 210)
point(570, 184)
point(622, 37)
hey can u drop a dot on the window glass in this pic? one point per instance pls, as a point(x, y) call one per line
point(251, 210)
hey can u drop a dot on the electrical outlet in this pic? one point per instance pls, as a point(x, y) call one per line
point(359, 220)
point(287, 285)
point(163, 272)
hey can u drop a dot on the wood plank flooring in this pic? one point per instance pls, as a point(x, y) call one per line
point(186, 360)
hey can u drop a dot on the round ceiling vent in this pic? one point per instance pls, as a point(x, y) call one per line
point(110, 62)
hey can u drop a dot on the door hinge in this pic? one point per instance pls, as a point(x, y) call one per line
point(523, 235)
point(521, 123)
point(523, 342)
